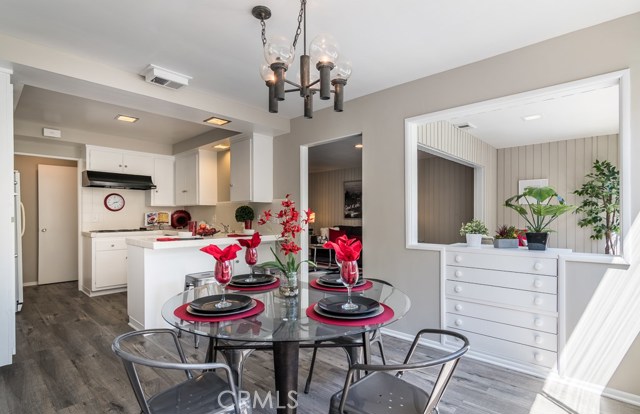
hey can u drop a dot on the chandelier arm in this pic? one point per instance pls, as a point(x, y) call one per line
point(292, 83)
point(292, 90)
point(314, 83)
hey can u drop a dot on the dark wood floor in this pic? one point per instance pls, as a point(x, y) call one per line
point(65, 365)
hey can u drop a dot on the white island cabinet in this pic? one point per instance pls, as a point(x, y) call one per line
point(156, 271)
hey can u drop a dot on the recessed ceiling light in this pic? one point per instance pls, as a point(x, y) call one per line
point(216, 121)
point(126, 118)
point(221, 147)
point(358, 146)
point(531, 117)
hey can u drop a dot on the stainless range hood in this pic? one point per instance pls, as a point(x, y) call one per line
point(115, 180)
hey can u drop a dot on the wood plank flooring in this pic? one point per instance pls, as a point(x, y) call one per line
point(65, 365)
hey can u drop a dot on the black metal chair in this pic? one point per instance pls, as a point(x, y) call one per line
point(382, 392)
point(350, 342)
point(199, 393)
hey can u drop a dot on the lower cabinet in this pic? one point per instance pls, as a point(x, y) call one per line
point(105, 265)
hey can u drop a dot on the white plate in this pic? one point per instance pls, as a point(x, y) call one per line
point(319, 311)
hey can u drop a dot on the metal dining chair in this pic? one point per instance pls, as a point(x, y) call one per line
point(350, 342)
point(205, 392)
point(382, 392)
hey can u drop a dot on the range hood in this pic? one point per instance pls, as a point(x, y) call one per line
point(116, 180)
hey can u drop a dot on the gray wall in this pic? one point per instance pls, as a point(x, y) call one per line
point(326, 197)
point(380, 118)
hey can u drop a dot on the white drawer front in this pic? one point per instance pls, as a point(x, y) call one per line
point(501, 331)
point(111, 244)
point(513, 297)
point(527, 320)
point(524, 281)
point(510, 350)
point(521, 264)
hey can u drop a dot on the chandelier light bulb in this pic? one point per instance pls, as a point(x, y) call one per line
point(266, 73)
point(279, 50)
point(342, 69)
point(324, 49)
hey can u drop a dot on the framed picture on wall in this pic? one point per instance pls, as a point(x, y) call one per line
point(353, 199)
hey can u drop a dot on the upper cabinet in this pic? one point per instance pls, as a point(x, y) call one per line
point(163, 178)
point(252, 169)
point(196, 178)
point(119, 161)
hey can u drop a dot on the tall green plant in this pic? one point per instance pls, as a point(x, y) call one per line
point(539, 212)
point(601, 203)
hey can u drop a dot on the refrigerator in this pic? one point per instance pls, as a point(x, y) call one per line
point(18, 231)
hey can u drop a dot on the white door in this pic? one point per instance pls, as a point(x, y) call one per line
point(58, 224)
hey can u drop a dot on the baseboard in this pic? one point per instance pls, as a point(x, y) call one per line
point(27, 284)
point(623, 396)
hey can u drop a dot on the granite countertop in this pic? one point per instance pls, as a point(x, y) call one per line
point(219, 239)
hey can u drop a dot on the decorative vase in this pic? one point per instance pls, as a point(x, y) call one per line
point(474, 240)
point(505, 243)
point(537, 241)
point(289, 284)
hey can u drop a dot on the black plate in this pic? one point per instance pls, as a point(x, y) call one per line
point(371, 314)
point(207, 304)
point(336, 281)
point(252, 305)
point(260, 279)
point(333, 305)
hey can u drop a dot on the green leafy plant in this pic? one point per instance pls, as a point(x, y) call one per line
point(244, 213)
point(601, 203)
point(506, 232)
point(537, 210)
point(474, 227)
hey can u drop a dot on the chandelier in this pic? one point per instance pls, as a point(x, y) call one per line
point(333, 69)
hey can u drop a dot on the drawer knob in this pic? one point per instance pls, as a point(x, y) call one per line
point(457, 289)
point(458, 322)
point(537, 266)
point(458, 307)
point(458, 258)
point(458, 273)
point(537, 339)
point(537, 301)
point(537, 283)
point(538, 322)
point(113, 245)
point(538, 356)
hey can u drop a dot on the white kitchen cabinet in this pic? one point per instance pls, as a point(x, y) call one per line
point(104, 265)
point(119, 161)
point(506, 303)
point(196, 182)
point(164, 179)
point(252, 169)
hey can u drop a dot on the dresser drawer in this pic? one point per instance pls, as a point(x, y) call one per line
point(507, 350)
point(497, 330)
point(527, 320)
point(518, 263)
point(523, 281)
point(111, 244)
point(498, 295)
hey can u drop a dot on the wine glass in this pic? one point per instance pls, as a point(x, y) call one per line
point(251, 257)
point(222, 274)
point(349, 276)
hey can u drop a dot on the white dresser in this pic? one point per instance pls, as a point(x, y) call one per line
point(506, 302)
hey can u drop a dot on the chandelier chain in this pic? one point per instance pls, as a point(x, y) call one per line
point(299, 29)
point(264, 32)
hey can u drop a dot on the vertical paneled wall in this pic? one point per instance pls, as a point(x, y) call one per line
point(326, 197)
point(564, 164)
point(445, 200)
point(448, 139)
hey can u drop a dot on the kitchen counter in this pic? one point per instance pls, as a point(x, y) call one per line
point(218, 240)
point(94, 234)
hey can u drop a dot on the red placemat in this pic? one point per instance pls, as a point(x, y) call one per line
point(167, 238)
point(383, 317)
point(181, 312)
point(256, 288)
point(366, 285)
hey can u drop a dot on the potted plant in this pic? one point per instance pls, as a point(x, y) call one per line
point(474, 230)
point(538, 212)
point(245, 214)
point(506, 237)
point(601, 204)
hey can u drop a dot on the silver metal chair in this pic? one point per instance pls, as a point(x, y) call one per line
point(382, 392)
point(199, 393)
point(350, 342)
point(194, 280)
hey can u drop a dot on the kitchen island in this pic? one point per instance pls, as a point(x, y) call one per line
point(156, 271)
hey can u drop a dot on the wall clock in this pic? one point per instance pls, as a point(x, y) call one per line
point(114, 202)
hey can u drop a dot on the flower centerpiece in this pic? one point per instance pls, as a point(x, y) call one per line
point(473, 231)
point(292, 224)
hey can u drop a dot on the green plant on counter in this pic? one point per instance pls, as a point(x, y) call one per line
point(474, 227)
point(244, 213)
point(506, 232)
point(539, 212)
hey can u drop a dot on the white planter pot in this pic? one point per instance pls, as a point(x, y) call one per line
point(474, 240)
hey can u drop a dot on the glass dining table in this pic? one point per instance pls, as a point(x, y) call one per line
point(287, 324)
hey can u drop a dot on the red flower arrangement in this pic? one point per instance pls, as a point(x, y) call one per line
point(292, 225)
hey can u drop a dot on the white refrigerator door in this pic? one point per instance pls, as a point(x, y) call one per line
point(18, 232)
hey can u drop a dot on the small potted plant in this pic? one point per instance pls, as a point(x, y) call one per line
point(245, 214)
point(506, 237)
point(538, 212)
point(474, 230)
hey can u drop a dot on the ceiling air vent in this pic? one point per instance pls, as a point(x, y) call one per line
point(165, 77)
point(465, 125)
